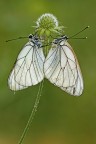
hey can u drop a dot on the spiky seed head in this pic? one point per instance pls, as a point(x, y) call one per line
point(46, 25)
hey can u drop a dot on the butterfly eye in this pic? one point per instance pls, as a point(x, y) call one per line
point(65, 37)
point(30, 36)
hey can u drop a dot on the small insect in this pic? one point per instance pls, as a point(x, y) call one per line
point(28, 68)
point(62, 69)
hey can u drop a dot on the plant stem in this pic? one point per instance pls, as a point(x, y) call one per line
point(32, 114)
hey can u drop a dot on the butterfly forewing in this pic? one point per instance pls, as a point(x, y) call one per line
point(28, 69)
point(62, 69)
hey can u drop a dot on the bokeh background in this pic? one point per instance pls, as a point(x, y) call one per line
point(60, 118)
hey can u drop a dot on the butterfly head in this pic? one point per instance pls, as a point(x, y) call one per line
point(30, 37)
point(34, 39)
point(64, 37)
point(59, 40)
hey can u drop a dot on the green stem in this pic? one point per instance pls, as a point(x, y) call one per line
point(32, 114)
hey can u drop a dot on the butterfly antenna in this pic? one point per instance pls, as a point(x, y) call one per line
point(16, 39)
point(79, 38)
point(78, 33)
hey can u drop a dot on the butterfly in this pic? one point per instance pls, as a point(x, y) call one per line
point(60, 66)
point(28, 68)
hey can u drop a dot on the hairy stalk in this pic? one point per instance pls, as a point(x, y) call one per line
point(32, 114)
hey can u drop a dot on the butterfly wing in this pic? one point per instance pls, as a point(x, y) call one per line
point(28, 69)
point(62, 69)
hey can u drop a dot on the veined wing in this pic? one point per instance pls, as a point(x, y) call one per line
point(62, 69)
point(28, 69)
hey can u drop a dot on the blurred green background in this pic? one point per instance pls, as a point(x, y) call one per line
point(60, 118)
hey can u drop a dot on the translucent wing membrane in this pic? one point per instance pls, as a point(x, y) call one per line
point(62, 69)
point(28, 69)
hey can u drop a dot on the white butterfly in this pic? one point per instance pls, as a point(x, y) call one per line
point(28, 69)
point(60, 66)
point(62, 69)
